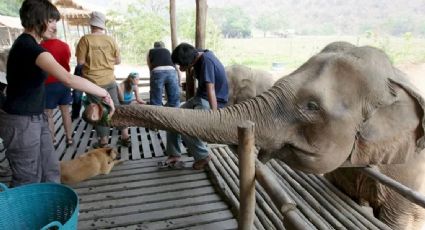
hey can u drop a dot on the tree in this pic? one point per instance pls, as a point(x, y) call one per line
point(143, 22)
point(138, 28)
point(234, 22)
point(269, 22)
point(10, 7)
point(186, 29)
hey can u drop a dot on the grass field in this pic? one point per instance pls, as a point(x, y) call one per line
point(292, 52)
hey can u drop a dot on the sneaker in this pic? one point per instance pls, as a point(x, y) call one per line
point(201, 164)
point(124, 142)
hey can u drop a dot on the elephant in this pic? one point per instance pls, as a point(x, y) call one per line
point(245, 82)
point(345, 105)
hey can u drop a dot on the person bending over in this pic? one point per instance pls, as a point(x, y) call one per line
point(212, 93)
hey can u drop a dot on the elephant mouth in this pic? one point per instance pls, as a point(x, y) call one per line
point(295, 153)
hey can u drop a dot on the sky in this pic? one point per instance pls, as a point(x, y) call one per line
point(104, 5)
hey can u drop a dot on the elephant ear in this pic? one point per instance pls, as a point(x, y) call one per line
point(393, 133)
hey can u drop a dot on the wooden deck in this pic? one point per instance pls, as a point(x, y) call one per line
point(139, 195)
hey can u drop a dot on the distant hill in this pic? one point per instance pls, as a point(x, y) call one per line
point(394, 17)
point(318, 17)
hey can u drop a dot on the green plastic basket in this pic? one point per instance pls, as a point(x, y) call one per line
point(38, 206)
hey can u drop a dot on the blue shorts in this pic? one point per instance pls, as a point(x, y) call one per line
point(57, 94)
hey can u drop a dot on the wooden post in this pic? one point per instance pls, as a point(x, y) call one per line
point(64, 29)
point(10, 36)
point(78, 29)
point(291, 219)
point(201, 22)
point(201, 19)
point(173, 24)
point(247, 175)
point(401, 189)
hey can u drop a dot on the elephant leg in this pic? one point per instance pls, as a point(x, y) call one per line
point(401, 214)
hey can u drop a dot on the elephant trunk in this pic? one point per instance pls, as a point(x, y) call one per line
point(205, 124)
point(212, 126)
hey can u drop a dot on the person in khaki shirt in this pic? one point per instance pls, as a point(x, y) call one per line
point(98, 53)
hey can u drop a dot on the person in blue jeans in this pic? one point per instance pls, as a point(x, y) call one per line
point(163, 73)
point(212, 93)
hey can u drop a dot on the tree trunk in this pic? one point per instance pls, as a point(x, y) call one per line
point(201, 18)
point(173, 27)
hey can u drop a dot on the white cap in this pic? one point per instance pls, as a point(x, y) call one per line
point(97, 19)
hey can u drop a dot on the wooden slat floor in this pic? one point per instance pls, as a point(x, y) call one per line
point(319, 203)
point(139, 195)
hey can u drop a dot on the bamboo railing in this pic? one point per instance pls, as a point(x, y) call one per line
point(286, 206)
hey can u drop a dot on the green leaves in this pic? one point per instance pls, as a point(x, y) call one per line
point(10, 7)
point(137, 29)
point(142, 22)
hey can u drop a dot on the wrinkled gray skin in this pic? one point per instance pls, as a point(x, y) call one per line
point(245, 83)
point(346, 103)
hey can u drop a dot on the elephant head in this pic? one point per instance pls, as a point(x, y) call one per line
point(346, 103)
point(245, 82)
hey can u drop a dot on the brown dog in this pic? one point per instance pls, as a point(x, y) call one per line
point(90, 164)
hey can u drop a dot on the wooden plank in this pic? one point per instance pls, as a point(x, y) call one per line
point(134, 169)
point(156, 145)
point(163, 135)
point(225, 224)
point(57, 119)
point(62, 148)
point(215, 221)
point(113, 136)
point(113, 142)
point(135, 177)
point(117, 186)
point(135, 150)
point(149, 206)
point(80, 144)
point(150, 198)
point(143, 191)
point(70, 152)
point(151, 216)
point(84, 141)
point(145, 143)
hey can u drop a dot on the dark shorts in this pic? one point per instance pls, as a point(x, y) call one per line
point(57, 94)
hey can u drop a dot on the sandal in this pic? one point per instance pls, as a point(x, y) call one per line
point(99, 145)
point(69, 142)
point(201, 164)
point(172, 159)
point(171, 162)
point(124, 142)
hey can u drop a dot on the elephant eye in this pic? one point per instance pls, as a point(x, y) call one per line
point(312, 105)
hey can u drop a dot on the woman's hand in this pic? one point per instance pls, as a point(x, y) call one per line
point(108, 100)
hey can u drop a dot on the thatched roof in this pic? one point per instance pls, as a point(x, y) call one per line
point(11, 22)
point(72, 12)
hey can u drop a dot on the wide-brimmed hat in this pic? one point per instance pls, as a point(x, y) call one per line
point(97, 19)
